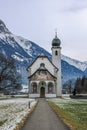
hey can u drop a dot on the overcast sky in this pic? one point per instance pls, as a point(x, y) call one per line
point(36, 20)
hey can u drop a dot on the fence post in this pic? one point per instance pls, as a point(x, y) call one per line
point(29, 104)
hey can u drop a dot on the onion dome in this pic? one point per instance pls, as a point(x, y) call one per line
point(56, 41)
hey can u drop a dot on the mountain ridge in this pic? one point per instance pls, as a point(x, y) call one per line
point(25, 51)
point(78, 64)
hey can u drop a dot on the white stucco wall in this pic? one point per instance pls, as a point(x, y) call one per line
point(50, 95)
point(38, 95)
point(47, 63)
point(34, 95)
point(56, 59)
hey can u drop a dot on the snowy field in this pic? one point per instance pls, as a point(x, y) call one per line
point(12, 111)
point(66, 102)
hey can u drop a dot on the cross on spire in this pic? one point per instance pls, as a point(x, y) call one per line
point(56, 33)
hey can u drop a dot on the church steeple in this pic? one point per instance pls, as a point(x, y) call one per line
point(56, 60)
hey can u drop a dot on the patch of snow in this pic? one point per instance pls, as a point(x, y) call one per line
point(78, 64)
point(17, 58)
point(63, 103)
point(25, 88)
point(12, 111)
point(24, 43)
point(2, 36)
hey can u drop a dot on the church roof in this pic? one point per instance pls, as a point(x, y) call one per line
point(42, 55)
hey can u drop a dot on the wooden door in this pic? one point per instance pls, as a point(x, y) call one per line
point(42, 92)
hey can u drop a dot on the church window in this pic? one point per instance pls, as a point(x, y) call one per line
point(56, 53)
point(34, 87)
point(50, 88)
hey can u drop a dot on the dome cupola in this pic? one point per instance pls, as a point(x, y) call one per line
point(56, 41)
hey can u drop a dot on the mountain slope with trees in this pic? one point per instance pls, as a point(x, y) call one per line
point(24, 52)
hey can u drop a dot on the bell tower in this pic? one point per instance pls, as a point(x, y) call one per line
point(56, 60)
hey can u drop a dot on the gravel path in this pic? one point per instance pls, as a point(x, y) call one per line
point(43, 118)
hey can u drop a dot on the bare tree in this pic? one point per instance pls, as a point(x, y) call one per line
point(9, 77)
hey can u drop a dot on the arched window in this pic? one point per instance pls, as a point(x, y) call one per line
point(50, 88)
point(56, 52)
point(34, 87)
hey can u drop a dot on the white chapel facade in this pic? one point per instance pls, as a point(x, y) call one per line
point(45, 75)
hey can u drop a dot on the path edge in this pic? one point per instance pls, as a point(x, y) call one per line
point(24, 119)
point(59, 116)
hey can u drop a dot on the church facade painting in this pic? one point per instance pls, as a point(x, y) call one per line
point(45, 75)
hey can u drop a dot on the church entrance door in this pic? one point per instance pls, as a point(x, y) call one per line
point(42, 92)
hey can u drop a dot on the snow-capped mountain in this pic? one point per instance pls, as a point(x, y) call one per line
point(17, 47)
point(70, 72)
point(78, 64)
point(3, 28)
point(25, 51)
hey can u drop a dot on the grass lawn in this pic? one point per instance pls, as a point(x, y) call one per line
point(72, 111)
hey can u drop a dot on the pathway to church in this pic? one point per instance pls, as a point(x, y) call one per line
point(43, 118)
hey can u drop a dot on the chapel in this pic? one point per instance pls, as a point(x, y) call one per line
point(45, 75)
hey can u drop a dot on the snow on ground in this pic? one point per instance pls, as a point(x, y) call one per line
point(64, 103)
point(66, 96)
point(12, 111)
point(25, 88)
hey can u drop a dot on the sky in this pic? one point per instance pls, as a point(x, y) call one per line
point(37, 20)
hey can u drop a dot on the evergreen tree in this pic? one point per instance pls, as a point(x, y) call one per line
point(81, 85)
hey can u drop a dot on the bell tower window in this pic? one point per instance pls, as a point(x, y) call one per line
point(56, 53)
